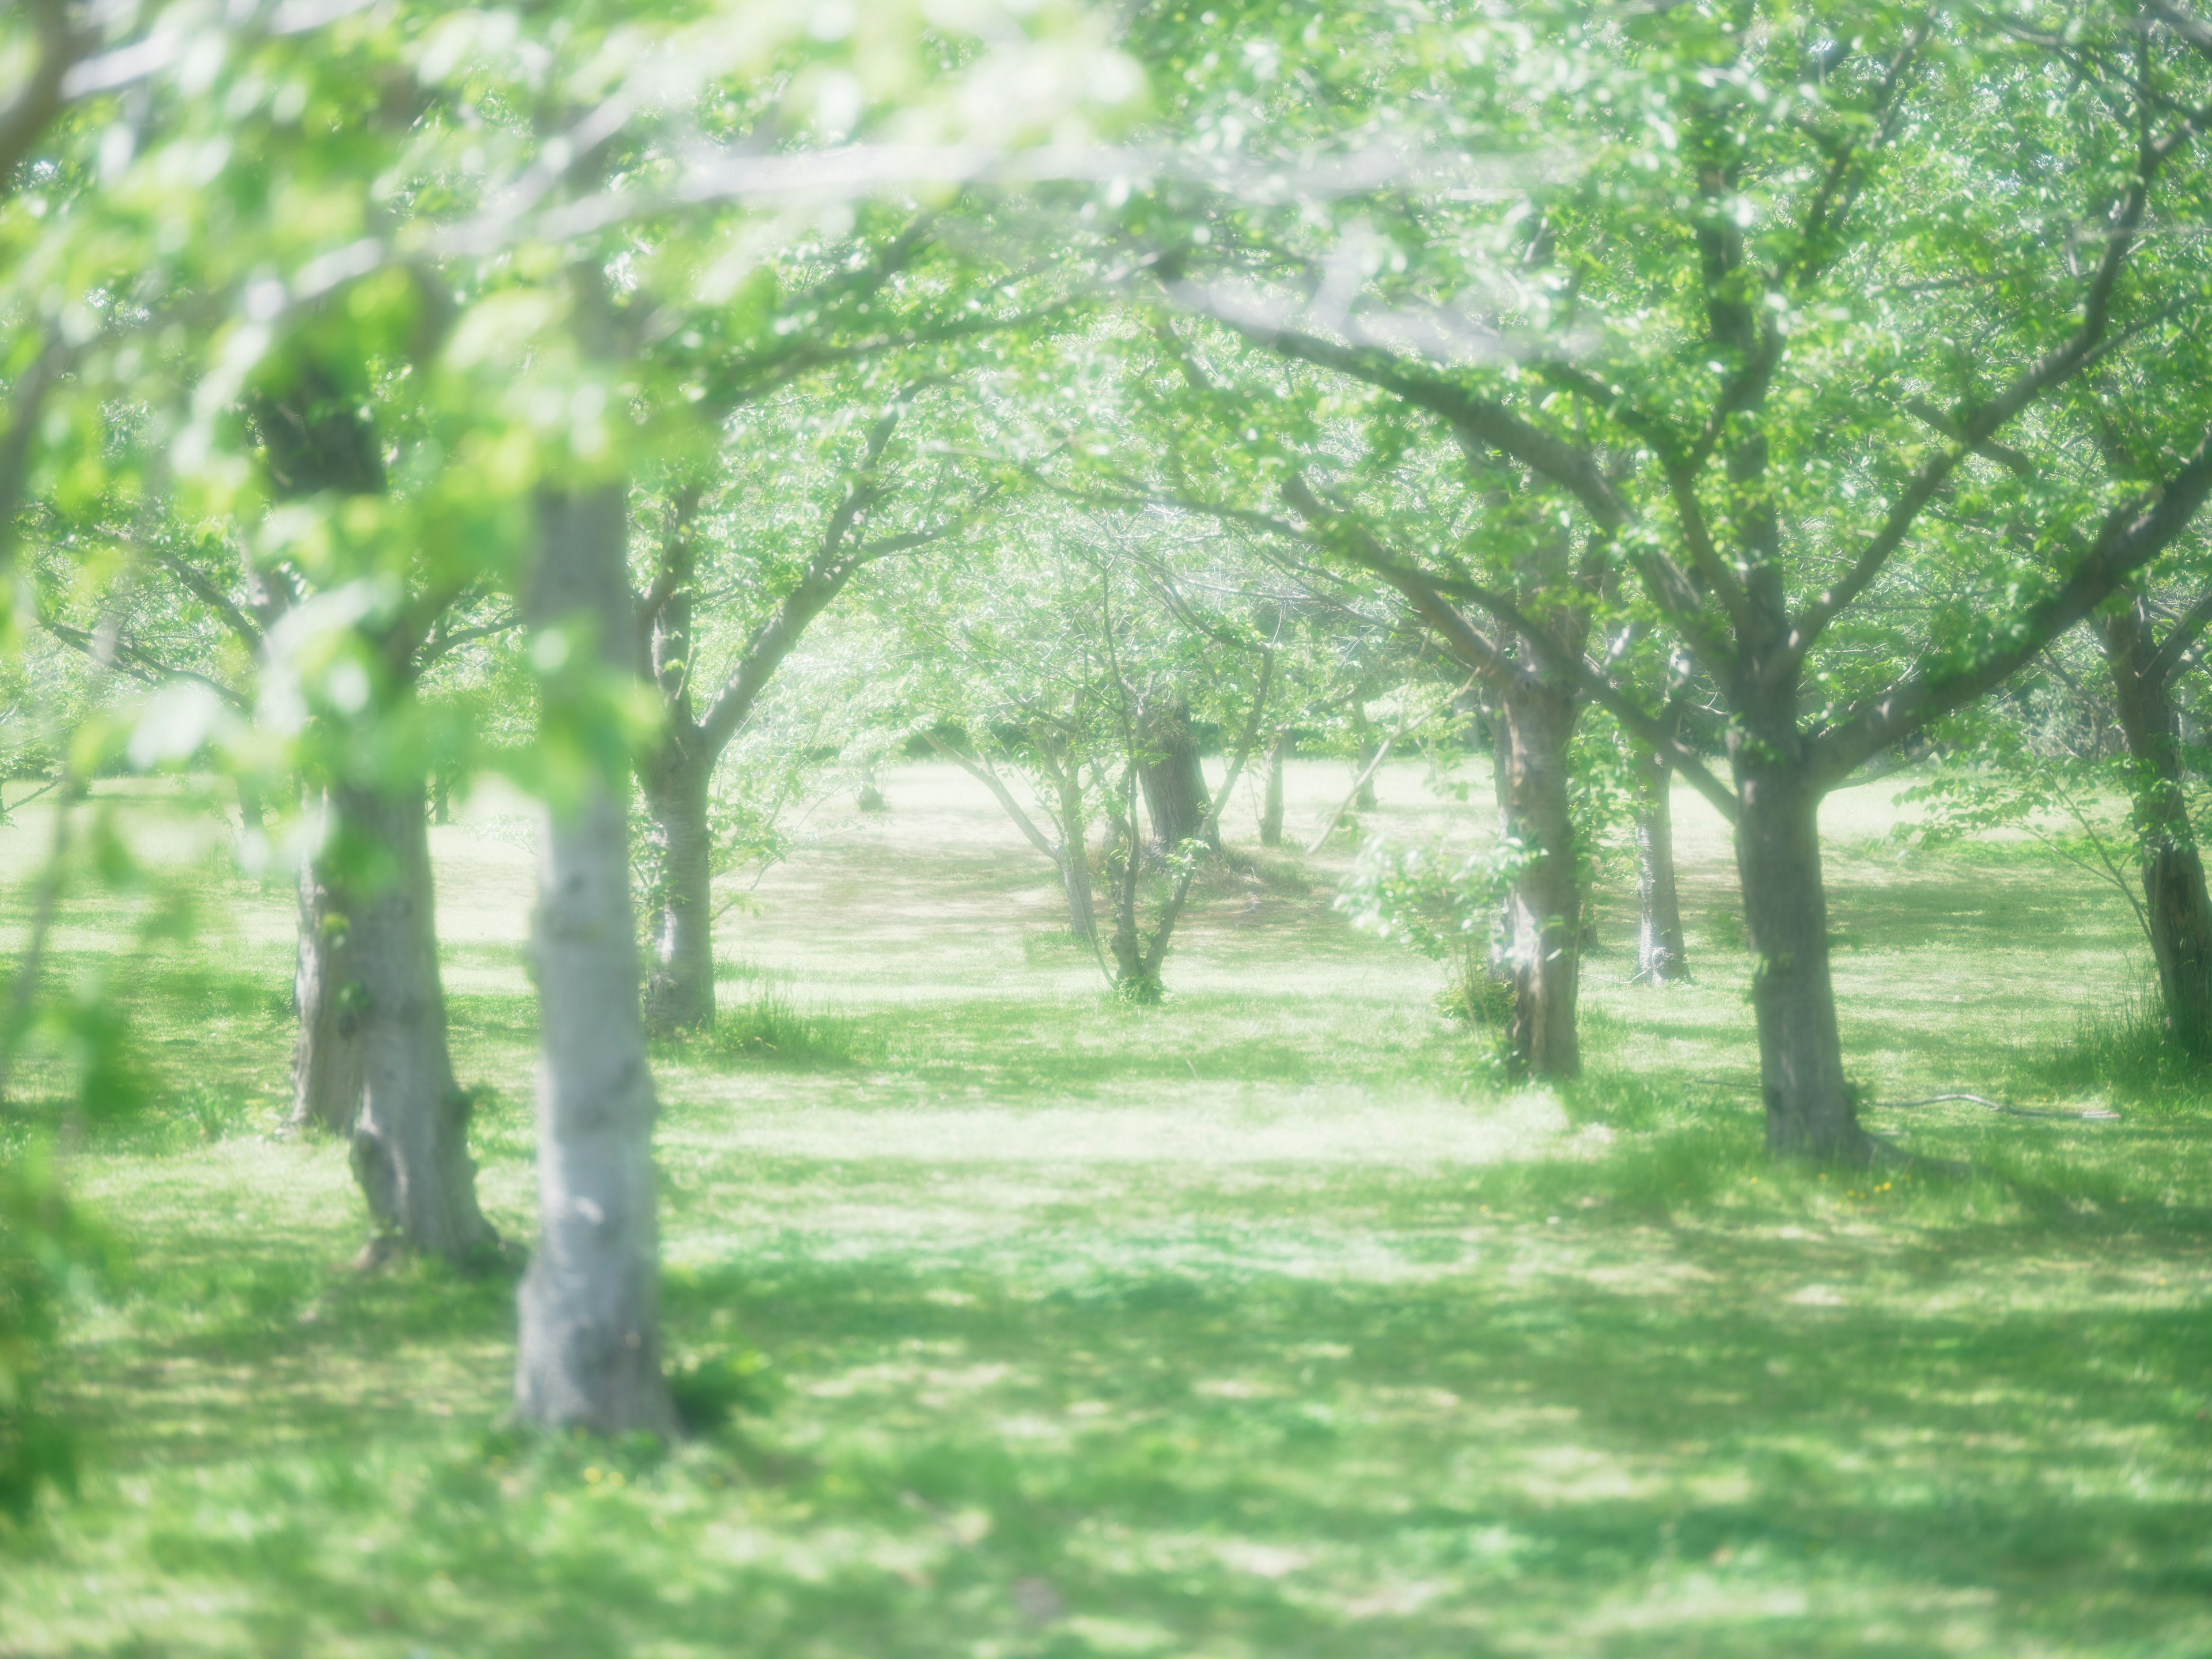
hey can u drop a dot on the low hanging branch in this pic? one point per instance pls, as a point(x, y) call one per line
point(1382, 754)
point(991, 781)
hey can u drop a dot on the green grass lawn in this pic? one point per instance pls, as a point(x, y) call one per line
point(1265, 1323)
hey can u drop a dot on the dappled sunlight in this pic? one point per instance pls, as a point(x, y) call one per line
point(1268, 1322)
point(1256, 1125)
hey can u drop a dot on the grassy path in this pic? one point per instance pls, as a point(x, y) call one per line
point(1260, 1325)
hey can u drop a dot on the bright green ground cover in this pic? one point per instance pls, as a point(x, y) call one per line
point(1260, 1325)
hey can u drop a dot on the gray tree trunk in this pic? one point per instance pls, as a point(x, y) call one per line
point(1660, 956)
point(1543, 907)
point(2176, 909)
point(410, 1140)
point(1811, 1109)
point(1363, 799)
point(680, 990)
point(1174, 781)
point(1271, 809)
point(1075, 857)
point(589, 1350)
point(327, 1052)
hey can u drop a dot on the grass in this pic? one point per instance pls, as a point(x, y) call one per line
point(1263, 1324)
point(768, 1026)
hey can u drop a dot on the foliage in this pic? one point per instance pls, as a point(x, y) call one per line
point(47, 1250)
point(1450, 911)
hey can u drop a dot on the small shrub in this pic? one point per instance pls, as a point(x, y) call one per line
point(1447, 909)
point(1475, 994)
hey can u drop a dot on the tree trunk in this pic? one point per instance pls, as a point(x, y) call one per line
point(441, 797)
point(326, 1054)
point(1363, 799)
point(1173, 782)
point(410, 1141)
point(589, 1350)
point(1810, 1108)
point(680, 993)
point(1659, 958)
point(1271, 810)
point(1075, 858)
point(2176, 909)
point(1543, 907)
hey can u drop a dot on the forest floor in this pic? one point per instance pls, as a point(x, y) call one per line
point(1265, 1325)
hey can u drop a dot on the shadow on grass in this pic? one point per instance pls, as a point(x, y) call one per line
point(1498, 1457)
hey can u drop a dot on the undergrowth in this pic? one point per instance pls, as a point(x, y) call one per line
point(772, 1026)
point(2121, 1055)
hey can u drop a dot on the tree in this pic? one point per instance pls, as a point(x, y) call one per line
point(1711, 340)
point(787, 540)
point(2145, 663)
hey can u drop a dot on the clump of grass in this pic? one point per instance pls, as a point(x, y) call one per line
point(770, 1026)
point(1278, 872)
point(1053, 948)
point(710, 1390)
point(2121, 1055)
point(208, 1113)
point(1724, 930)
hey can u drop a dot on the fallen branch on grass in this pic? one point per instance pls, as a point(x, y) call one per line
point(2095, 1115)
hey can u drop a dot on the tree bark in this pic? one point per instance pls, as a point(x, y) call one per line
point(1543, 906)
point(680, 991)
point(1660, 956)
point(1174, 781)
point(1271, 810)
point(1075, 857)
point(410, 1141)
point(589, 1350)
point(1811, 1109)
point(326, 1052)
point(1362, 797)
point(2177, 910)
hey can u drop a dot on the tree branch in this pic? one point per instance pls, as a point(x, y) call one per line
point(991, 781)
point(1975, 427)
point(2130, 539)
point(2184, 633)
